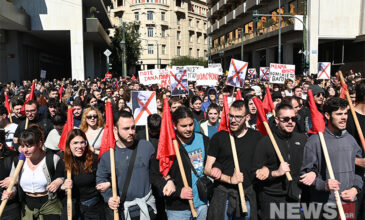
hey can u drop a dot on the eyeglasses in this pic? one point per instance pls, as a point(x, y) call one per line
point(287, 119)
point(236, 117)
point(83, 143)
point(319, 94)
point(92, 116)
point(30, 111)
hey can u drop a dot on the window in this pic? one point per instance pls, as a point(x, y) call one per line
point(205, 25)
point(136, 16)
point(197, 52)
point(205, 53)
point(163, 33)
point(190, 22)
point(163, 49)
point(190, 51)
point(178, 35)
point(138, 1)
point(198, 39)
point(163, 16)
point(179, 51)
point(150, 15)
point(191, 38)
point(205, 39)
point(120, 3)
point(197, 24)
point(150, 32)
point(150, 48)
point(178, 21)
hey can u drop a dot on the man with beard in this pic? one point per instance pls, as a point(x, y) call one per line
point(139, 202)
point(225, 203)
point(342, 150)
point(272, 183)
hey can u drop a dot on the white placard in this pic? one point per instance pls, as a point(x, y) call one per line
point(179, 82)
point(265, 74)
point(144, 104)
point(237, 73)
point(280, 72)
point(207, 77)
point(252, 72)
point(218, 66)
point(324, 70)
point(149, 77)
point(191, 71)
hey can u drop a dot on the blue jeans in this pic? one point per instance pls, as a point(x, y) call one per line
point(233, 217)
point(186, 214)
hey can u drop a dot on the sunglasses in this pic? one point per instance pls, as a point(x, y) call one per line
point(320, 94)
point(287, 119)
point(92, 116)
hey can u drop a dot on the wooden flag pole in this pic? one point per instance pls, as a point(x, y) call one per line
point(237, 167)
point(183, 176)
point(69, 198)
point(276, 147)
point(356, 120)
point(147, 134)
point(332, 176)
point(12, 181)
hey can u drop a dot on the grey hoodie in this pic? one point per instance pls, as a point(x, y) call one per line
point(342, 150)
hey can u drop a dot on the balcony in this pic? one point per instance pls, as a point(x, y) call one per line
point(13, 18)
point(252, 4)
point(240, 10)
point(96, 32)
point(102, 14)
point(223, 21)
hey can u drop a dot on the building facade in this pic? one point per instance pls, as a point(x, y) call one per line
point(63, 38)
point(168, 28)
point(322, 31)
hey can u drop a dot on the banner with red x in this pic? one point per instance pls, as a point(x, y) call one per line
point(144, 104)
point(179, 82)
point(237, 73)
point(264, 73)
point(252, 72)
point(324, 70)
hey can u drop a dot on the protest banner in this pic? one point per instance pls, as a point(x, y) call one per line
point(179, 82)
point(324, 70)
point(218, 66)
point(143, 104)
point(237, 73)
point(264, 73)
point(207, 77)
point(191, 72)
point(280, 72)
point(252, 73)
point(164, 78)
point(149, 77)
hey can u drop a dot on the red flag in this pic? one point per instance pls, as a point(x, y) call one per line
point(165, 151)
point(344, 89)
point(260, 116)
point(30, 97)
point(133, 78)
point(267, 103)
point(66, 129)
point(239, 95)
point(224, 123)
point(7, 106)
point(318, 124)
point(108, 139)
point(60, 91)
point(103, 80)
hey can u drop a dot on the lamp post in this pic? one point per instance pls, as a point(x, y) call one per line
point(242, 29)
point(122, 47)
point(279, 43)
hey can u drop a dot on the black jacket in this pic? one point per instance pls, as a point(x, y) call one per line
point(174, 202)
point(291, 147)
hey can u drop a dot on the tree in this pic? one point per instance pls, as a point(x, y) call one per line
point(133, 47)
point(186, 60)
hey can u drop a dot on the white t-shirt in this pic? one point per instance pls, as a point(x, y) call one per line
point(9, 133)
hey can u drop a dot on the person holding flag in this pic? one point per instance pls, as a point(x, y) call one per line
point(220, 164)
point(132, 165)
point(342, 150)
point(271, 182)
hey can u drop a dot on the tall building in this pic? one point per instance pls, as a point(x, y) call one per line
point(63, 38)
point(168, 28)
point(336, 33)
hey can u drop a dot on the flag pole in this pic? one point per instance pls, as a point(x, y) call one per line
point(12, 181)
point(332, 176)
point(237, 167)
point(69, 192)
point(147, 134)
point(356, 120)
point(276, 147)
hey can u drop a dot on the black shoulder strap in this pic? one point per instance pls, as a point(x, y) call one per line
point(187, 158)
point(50, 164)
point(129, 175)
point(97, 137)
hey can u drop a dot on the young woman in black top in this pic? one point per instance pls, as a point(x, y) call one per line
point(87, 203)
point(196, 104)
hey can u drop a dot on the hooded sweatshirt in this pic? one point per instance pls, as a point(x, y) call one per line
point(206, 104)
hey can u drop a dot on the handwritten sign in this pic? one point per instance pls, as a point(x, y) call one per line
point(237, 73)
point(207, 77)
point(280, 72)
point(218, 66)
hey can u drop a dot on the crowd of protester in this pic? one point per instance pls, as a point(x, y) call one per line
point(34, 128)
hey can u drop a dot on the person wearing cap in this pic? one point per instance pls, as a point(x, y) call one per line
point(257, 90)
point(318, 95)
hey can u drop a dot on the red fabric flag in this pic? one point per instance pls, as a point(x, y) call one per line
point(260, 116)
point(60, 91)
point(267, 103)
point(344, 89)
point(66, 129)
point(133, 78)
point(30, 97)
point(7, 106)
point(224, 123)
point(165, 152)
point(108, 139)
point(239, 95)
point(318, 123)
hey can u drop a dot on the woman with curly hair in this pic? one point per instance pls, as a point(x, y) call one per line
point(92, 124)
point(86, 200)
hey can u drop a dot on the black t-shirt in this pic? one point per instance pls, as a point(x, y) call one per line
point(85, 182)
point(220, 148)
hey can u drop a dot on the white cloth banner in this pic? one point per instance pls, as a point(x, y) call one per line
point(216, 65)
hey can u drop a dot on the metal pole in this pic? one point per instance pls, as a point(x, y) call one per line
point(158, 56)
point(305, 37)
point(124, 51)
point(242, 44)
point(107, 64)
point(209, 56)
point(279, 44)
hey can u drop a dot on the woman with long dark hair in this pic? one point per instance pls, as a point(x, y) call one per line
point(196, 104)
point(83, 164)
